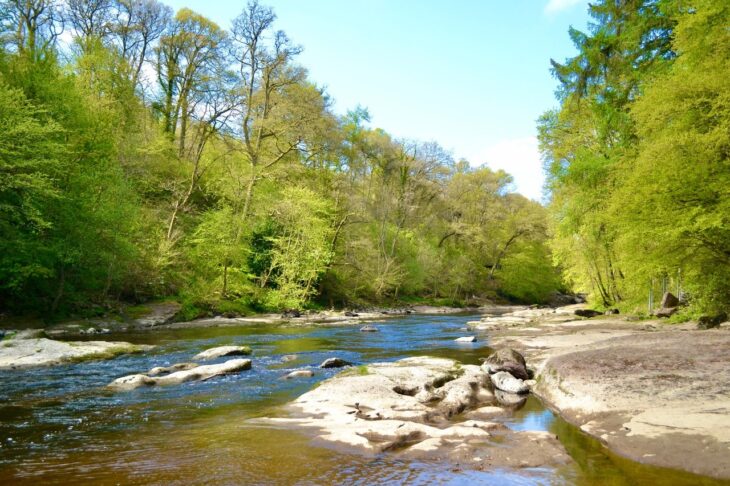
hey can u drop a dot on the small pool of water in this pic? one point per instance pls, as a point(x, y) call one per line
point(60, 425)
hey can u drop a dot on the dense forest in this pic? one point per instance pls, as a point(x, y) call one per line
point(149, 154)
point(638, 154)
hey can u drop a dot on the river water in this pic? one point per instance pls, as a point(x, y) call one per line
point(59, 425)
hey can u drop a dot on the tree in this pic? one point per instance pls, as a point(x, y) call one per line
point(30, 165)
point(30, 27)
point(139, 24)
point(584, 143)
point(675, 202)
point(90, 19)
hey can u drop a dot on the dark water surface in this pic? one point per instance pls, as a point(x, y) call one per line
point(59, 425)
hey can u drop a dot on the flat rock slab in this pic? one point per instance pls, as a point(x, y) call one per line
point(197, 373)
point(408, 407)
point(220, 351)
point(661, 398)
point(158, 313)
point(27, 353)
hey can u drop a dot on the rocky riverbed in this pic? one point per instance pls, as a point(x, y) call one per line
point(422, 408)
point(654, 392)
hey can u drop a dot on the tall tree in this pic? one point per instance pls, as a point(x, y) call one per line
point(673, 207)
point(584, 141)
point(139, 24)
point(30, 27)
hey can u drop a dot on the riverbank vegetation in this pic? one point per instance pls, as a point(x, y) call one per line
point(637, 154)
point(149, 154)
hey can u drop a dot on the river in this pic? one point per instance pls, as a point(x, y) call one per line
point(59, 425)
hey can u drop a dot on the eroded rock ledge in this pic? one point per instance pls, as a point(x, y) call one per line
point(654, 392)
point(28, 353)
point(415, 407)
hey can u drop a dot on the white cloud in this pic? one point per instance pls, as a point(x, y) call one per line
point(555, 6)
point(521, 158)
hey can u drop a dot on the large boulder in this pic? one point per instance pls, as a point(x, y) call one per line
point(26, 353)
point(506, 359)
point(334, 363)
point(588, 313)
point(709, 322)
point(198, 373)
point(220, 351)
point(669, 301)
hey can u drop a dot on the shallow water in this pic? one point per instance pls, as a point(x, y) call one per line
point(59, 425)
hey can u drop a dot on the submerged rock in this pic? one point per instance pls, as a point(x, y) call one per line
point(198, 373)
point(220, 351)
point(299, 374)
point(511, 401)
point(25, 353)
point(334, 363)
point(369, 328)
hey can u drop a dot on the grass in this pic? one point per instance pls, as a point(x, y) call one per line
point(361, 370)
point(137, 311)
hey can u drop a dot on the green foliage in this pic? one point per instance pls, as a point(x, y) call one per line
point(30, 165)
point(301, 250)
point(528, 275)
point(637, 154)
point(226, 181)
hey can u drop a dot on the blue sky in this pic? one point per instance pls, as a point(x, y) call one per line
point(473, 75)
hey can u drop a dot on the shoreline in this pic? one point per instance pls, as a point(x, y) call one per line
point(651, 392)
point(162, 316)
